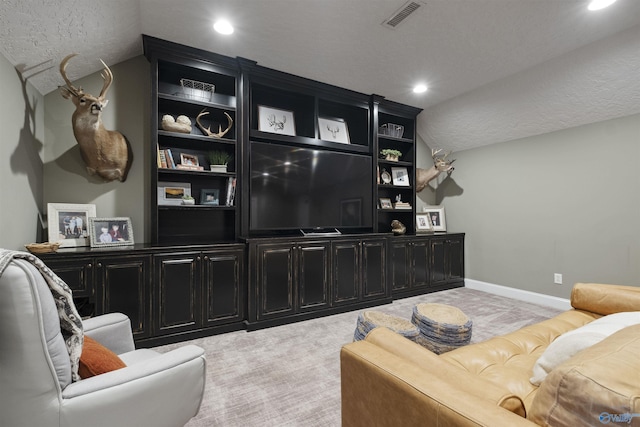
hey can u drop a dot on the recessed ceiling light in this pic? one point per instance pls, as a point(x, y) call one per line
point(420, 88)
point(600, 4)
point(223, 27)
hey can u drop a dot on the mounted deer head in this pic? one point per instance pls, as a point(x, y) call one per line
point(106, 153)
point(440, 164)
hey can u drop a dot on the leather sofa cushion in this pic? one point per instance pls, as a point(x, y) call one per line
point(430, 362)
point(605, 299)
point(603, 379)
point(507, 361)
point(96, 359)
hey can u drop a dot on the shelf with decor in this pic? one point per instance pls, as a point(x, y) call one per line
point(194, 138)
point(395, 132)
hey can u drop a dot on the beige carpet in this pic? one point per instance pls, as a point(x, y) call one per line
point(290, 375)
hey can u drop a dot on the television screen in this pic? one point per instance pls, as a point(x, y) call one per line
point(296, 188)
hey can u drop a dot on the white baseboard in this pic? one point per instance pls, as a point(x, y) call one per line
point(519, 294)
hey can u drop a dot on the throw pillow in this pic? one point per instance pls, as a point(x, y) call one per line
point(572, 342)
point(96, 359)
point(598, 386)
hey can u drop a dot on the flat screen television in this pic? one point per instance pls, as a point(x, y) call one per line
point(295, 188)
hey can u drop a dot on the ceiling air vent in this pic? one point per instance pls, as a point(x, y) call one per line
point(401, 14)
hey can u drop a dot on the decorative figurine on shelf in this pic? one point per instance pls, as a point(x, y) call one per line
point(106, 153)
point(181, 124)
point(207, 130)
point(399, 204)
point(398, 228)
point(440, 164)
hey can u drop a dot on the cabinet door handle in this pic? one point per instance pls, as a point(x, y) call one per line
point(206, 258)
point(99, 265)
point(197, 258)
point(89, 265)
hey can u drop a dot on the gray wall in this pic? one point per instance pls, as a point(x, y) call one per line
point(21, 143)
point(564, 202)
point(66, 180)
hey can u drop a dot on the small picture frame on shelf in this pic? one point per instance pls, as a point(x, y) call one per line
point(189, 159)
point(105, 232)
point(275, 120)
point(385, 203)
point(385, 177)
point(68, 223)
point(333, 130)
point(210, 197)
point(436, 217)
point(423, 223)
point(171, 193)
point(400, 177)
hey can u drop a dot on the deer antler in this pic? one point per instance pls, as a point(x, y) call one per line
point(77, 92)
point(207, 131)
point(107, 76)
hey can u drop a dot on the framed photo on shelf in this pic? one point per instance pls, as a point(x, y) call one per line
point(385, 177)
point(385, 203)
point(210, 197)
point(110, 232)
point(423, 223)
point(68, 223)
point(189, 159)
point(275, 120)
point(436, 217)
point(400, 177)
point(334, 130)
point(171, 193)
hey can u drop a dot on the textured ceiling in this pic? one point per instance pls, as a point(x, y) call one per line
point(497, 69)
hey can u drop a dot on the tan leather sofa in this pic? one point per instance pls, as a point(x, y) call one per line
point(388, 380)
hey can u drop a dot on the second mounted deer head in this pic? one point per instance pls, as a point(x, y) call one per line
point(440, 164)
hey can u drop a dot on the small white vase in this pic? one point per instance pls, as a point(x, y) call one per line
point(188, 201)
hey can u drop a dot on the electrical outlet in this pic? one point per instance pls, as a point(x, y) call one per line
point(557, 278)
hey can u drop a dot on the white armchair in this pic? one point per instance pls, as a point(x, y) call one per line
point(35, 374)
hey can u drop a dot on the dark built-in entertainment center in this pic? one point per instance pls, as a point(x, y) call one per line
point(291, 230)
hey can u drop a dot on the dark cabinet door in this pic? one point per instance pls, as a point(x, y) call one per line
point(438, 262)
point(78, 274)
point(420, 267)
point(176, 287)
point(346, 272)
point(400, 266)
point(374, 269)
point(313, 276)
point(275, 281)
point(455, 257)
point(124, 288)
point(221, 286)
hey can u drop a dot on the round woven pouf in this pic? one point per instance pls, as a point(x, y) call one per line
point(368, 320)
point(442, 327)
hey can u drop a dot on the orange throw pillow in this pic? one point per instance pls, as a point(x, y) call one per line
point(96, 359)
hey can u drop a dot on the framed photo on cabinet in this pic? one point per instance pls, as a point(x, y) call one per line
point(400, 177)
point(436, 216)
point(107, 232)
point(275, 120)
point(423, 223)
point(68, 223)
point(333, 130)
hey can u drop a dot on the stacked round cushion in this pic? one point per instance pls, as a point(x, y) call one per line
point(442, 327)
point(368, 320)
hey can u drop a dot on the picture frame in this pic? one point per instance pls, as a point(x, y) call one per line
point(107, 232)
point(423, 223)
point(333, 130)
point(400, 176)
point(210, 197)
point(189, 159)
point(68, 223)
point(275, 120)
point(436, 217)
point(171, 193)
point(385, 203)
